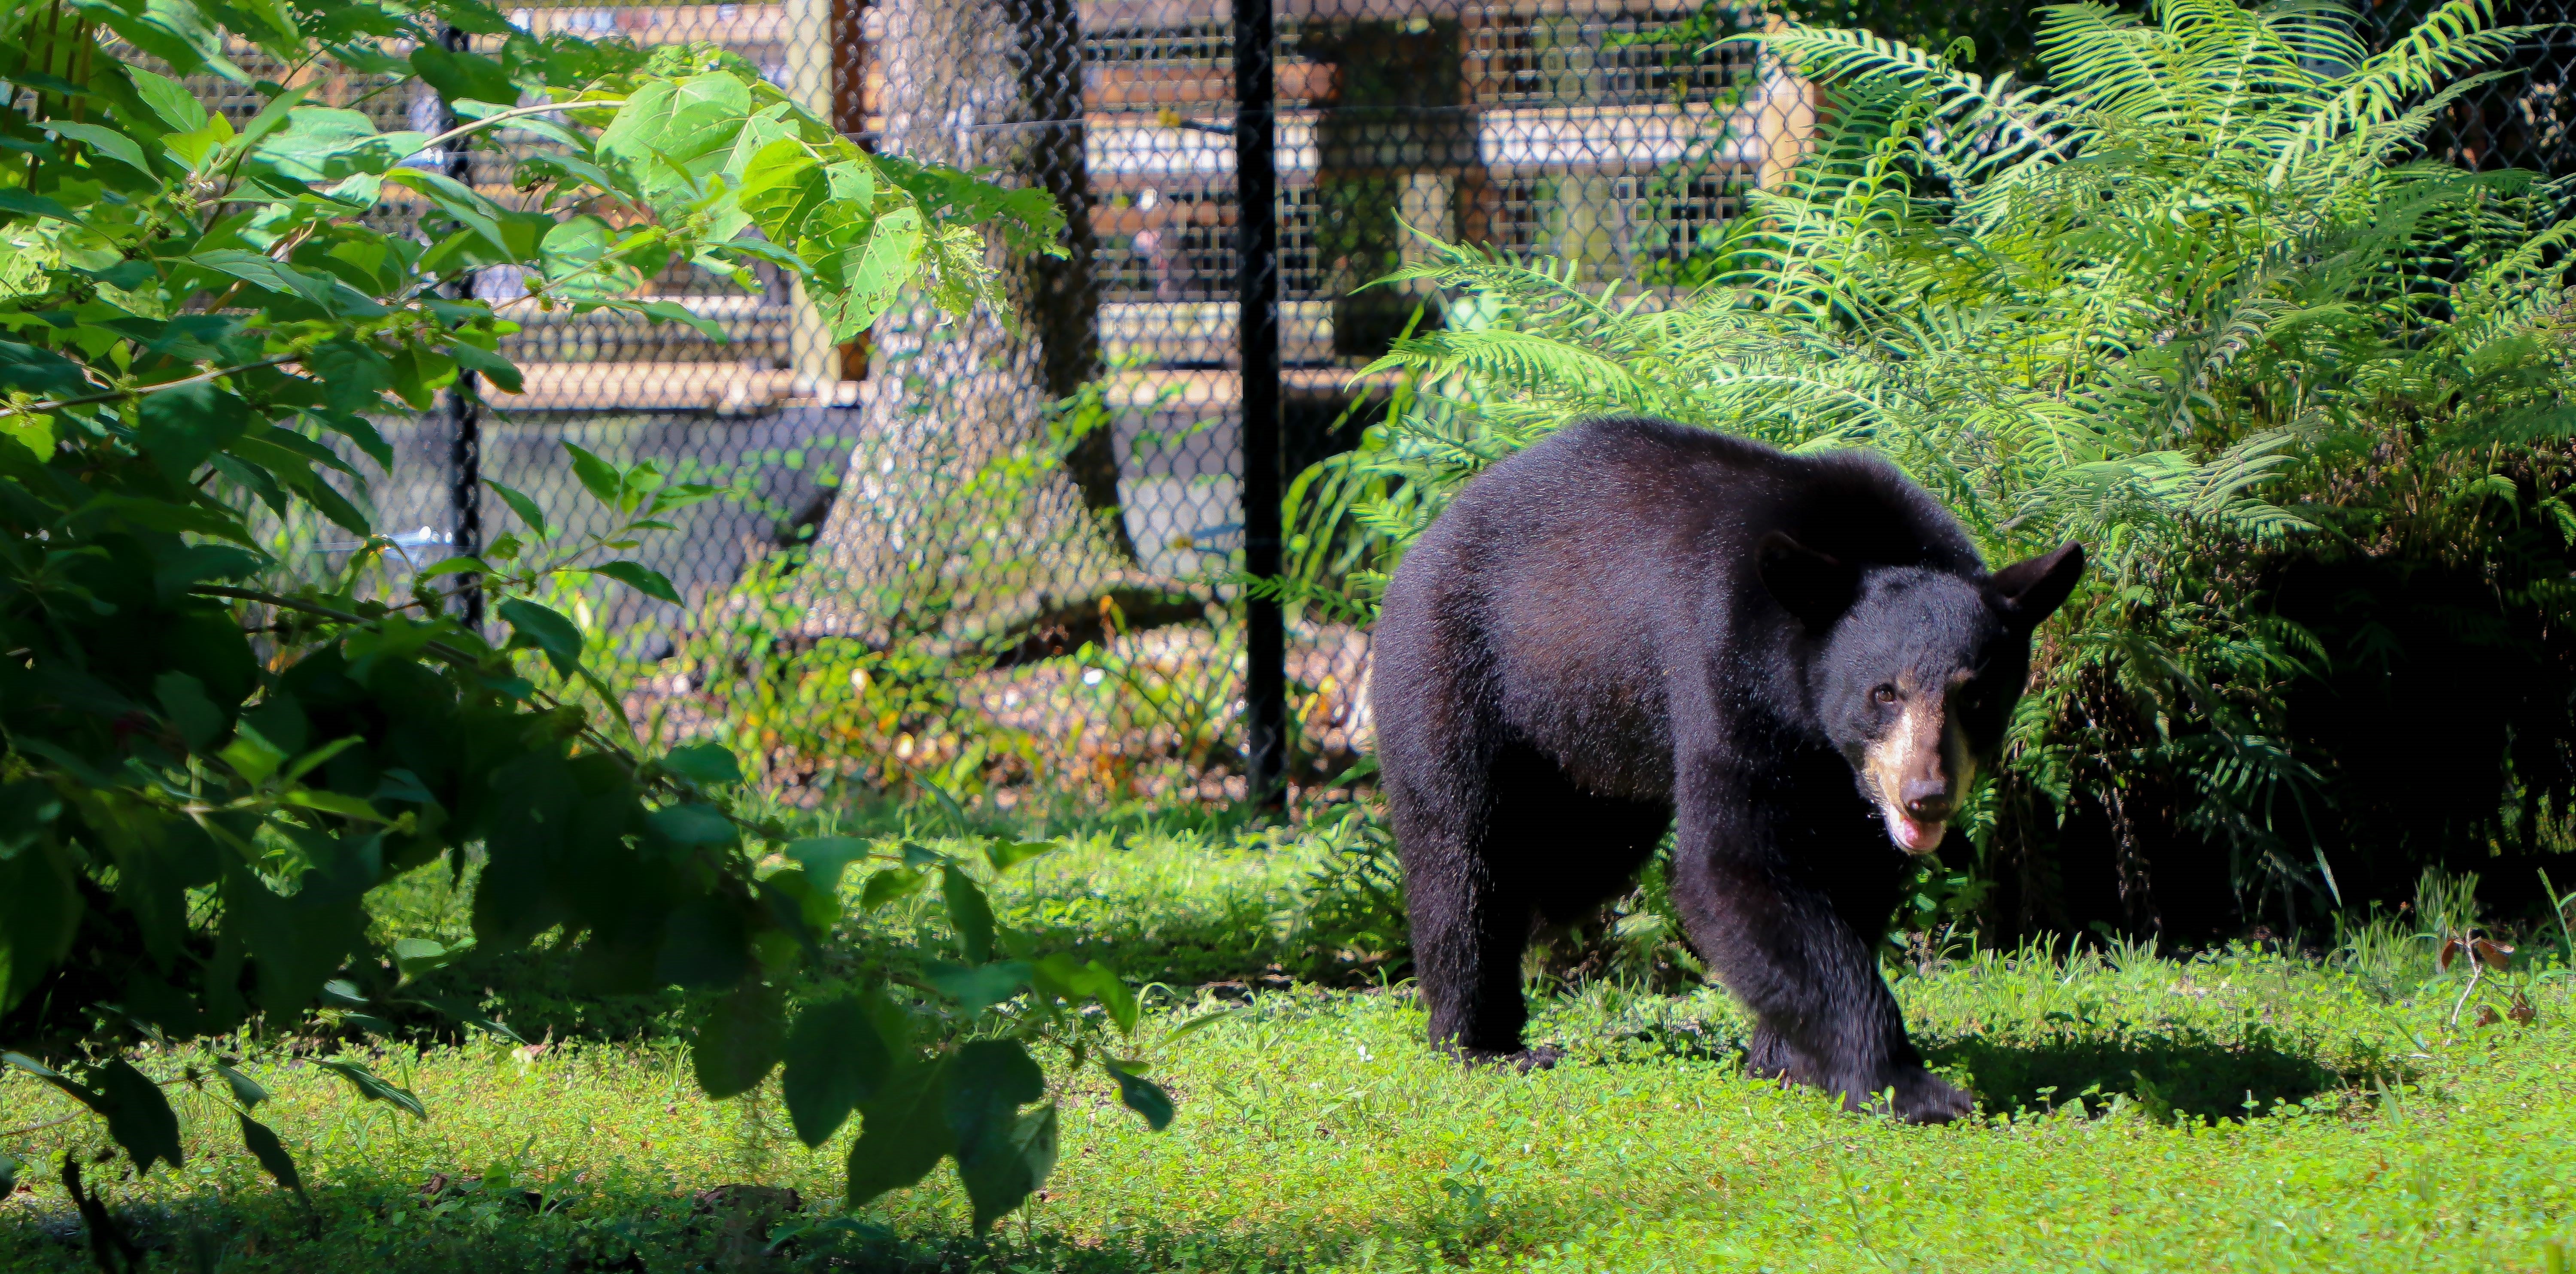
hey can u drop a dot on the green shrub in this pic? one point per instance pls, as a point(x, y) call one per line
point(210, 764)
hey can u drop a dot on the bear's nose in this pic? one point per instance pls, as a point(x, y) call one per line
point(1927, 800)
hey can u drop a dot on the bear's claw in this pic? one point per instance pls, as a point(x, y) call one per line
point(1522, 1060)
point(1925, 1098)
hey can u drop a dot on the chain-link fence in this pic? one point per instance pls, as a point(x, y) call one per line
point(997, 555)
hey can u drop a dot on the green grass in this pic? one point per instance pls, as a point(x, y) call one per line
point(2240, 1110)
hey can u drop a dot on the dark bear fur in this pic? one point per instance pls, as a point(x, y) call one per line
point(1800, 656)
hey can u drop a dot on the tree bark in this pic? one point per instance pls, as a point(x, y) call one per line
point(933, 519)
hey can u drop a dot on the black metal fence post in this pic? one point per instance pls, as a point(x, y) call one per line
point(464, 402)
point(1256, 181)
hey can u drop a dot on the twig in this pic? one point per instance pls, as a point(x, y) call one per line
point(2477, 969)
point(137, 391)
point(34, 1128)
point(521, 112)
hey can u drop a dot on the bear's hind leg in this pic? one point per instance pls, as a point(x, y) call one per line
point(1437, 759)
point(1544, 849)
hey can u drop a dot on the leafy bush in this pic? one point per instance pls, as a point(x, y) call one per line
point(2194, 303)
point(209, 765)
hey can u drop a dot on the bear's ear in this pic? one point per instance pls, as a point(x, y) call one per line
point(2031, 590)
point(1812, 586)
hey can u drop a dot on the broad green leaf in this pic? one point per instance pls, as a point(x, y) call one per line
point(1005, 855)
point(1000, 1157)
point(642, 579)
point(296, 943)
point(862, 281)
point(675, 312)
point(670, 137)
point(320, 756)
point(694, 823)
point(168, 99)
point(276, 114)
point(461, 564)
point(183, 699)
point(374, 1087)
point(581, 259)
point(36, 205)
point(40, 907)
point(1114, 995)
point(416, 956)
point(271, 1153)
point(812, 908)
point(739, 1039)
point(480, 216)
point(836, 1061)
point(903, 1133)
point(460, 75)
point(500, 371)
point(261, 272)
point(825, 857)
point(104, 140)
point(326, 144)
point(543, 628)
point(253, 757)
point(329, 802)
point(247, 1091)
point(781, 186)
point(527, 509)
point(138, 1116)
point(1141, 1095)
point(977, 987)
point(970, 913)
point(39, 370)
point(890, 884)
point(175, 31)
point(192, 147)
point(709, 765)
point(1201, 1022)
point(600, 478)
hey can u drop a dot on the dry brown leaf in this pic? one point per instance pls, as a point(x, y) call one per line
point(2487, 1015)
point(2522, 1010)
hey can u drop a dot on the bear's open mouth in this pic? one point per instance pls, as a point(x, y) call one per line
point(1913, 835)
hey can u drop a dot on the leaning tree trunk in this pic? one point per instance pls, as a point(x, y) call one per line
point(942, 521)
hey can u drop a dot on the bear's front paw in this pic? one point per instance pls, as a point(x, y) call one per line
point(1922, 1097)
point(1523, 1060)
point(1768, 1055)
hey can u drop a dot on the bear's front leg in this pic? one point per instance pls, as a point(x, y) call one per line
point(1824, 1016)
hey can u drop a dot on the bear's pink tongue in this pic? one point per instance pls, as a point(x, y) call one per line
point(1913, 835)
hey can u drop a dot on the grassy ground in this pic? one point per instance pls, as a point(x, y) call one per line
point(2239, 1111)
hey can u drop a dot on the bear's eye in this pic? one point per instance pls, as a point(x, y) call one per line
point(1884, 694)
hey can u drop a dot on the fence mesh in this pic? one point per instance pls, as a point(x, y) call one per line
point(997, 557)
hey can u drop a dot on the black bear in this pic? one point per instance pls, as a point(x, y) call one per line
point(1800, 656)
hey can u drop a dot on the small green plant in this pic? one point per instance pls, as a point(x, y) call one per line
point(1351, 908)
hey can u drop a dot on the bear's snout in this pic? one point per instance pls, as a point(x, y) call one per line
point(1915, 771)
point(1927, 799)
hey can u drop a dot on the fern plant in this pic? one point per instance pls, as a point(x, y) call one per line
point(2198, 301)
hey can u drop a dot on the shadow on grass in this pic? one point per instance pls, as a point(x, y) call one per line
point(442, 1227)
point(2167, 1073)
point(2170, 1074)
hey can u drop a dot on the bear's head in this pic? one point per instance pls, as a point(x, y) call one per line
point(1913, 671)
